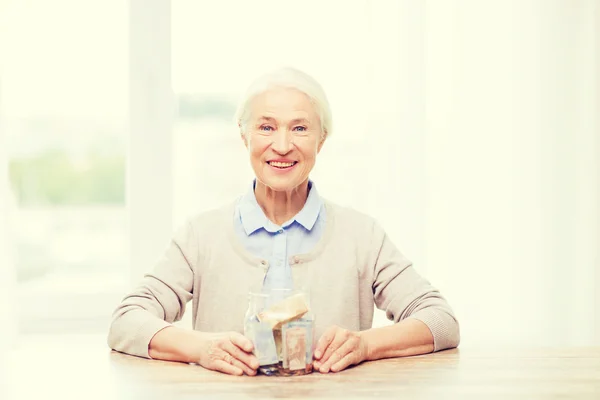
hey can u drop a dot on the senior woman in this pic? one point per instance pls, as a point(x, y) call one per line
point(279, 228)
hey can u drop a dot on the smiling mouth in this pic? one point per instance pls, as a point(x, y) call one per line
point(282, 165)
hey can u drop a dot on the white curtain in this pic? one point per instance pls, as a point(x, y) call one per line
point(7, 303)
point(487, 140)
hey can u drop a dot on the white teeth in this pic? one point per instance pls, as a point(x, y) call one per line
point(281, 164)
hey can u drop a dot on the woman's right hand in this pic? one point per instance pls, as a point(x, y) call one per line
point(229, 352)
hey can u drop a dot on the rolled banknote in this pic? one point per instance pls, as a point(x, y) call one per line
point(290, 308)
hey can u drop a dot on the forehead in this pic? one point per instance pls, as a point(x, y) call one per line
point(282, 103)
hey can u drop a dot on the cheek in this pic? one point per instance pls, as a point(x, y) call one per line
point(310, 149)
point(257, 145)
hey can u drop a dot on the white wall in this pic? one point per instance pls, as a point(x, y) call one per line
point(151, 107)
point(392, 167)
point(596, 164)
point(395, 160)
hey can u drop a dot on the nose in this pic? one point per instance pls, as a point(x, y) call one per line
point(282, 142)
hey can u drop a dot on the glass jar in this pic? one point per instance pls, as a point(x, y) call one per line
point(281, 326)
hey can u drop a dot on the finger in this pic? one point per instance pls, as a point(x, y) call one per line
point(225, 367)
point(317, 365)
point(348, 360)
point(241, 341)
point(340, 338)
point(237, 363)
point(241, 348)
point(249, 361)
point(324, 342)
point(344, 350)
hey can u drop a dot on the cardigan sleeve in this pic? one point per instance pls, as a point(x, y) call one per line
point(160, 298)
point(402, 293)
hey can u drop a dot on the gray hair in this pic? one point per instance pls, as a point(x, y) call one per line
point(287, 78)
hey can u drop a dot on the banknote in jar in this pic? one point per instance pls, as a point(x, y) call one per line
point(261, 335)
point(297, 345)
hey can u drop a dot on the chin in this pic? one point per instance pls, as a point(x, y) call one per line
point(280, 185)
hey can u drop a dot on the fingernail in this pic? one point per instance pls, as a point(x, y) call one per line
point(317, 354)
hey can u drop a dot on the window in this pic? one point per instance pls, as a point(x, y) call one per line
point(64, 115)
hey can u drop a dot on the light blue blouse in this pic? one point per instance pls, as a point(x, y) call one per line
point(277, 244)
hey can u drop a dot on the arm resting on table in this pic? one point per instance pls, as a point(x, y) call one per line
point(175, 344)
point(407, 338)
point(424, 321)
point(159, 300)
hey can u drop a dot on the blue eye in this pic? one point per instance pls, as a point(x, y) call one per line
point(300, 129)
point(266, 128)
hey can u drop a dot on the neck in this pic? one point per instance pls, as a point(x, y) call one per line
point(281, 206)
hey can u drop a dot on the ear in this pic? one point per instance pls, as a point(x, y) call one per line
point(321, 143)
point(244, 137)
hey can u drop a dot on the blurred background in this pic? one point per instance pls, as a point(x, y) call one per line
point(469, 129)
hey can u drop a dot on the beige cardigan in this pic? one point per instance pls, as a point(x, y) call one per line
point(353, 268)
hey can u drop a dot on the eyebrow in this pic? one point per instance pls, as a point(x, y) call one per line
point(294, 121)
point(299, 120)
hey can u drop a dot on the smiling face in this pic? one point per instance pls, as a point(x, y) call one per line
point(283, 136)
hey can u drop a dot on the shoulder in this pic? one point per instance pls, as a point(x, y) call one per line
point(207, 223)
point(352, 221)
point(213, 218)
point(356, 230)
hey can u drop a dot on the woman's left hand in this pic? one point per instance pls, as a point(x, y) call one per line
point(338, 349)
